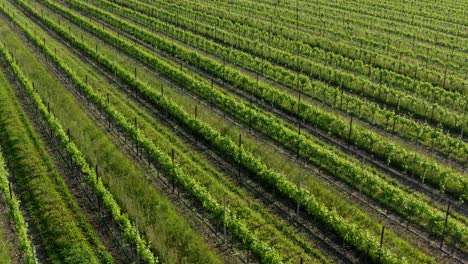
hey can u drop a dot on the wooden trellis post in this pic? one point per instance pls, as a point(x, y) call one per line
point(173, 164)
point(240, 155)
point(445, 225)
point(299, 187)
point(381, 241)
point(350, 129)
point(97, 182)
point(225, 218)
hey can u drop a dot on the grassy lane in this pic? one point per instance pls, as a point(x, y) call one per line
point(102, 49)
point(168, 233)
point(274, 131)
point(12, 203)
point(247, 210)
point(366, 38)
point(64, 233)
point(4, 248)
point(438, 176)
point(406, 128)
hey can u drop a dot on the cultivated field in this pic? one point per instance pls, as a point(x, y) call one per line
point(240, 131)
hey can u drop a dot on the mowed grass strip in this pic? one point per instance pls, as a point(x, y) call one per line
point(64, 233)
point(169, 234)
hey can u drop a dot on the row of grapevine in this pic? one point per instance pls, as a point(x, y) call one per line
point(351, 51)
point(270, 126)
point(435, 174)
point(365, 110)
point(247, 237)
point(64, 232)
point(400, 17)
point(327, 26)
point(13, 203)
point(78, 159)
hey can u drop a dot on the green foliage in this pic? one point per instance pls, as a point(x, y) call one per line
point(367, 180)
point(62, 233)
point(21, 227)
point(350, 233)
point(383, 147)
point(363, 179)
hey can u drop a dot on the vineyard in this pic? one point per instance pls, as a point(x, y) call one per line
point(209, 131)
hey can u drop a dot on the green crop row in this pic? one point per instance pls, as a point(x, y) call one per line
point(415, 51)
point(249, 239)
point(439, 176)
point(13, 203)
point(78, 159)
point(380, 60)
point(112, 67)
point(368, 111)
point(364, 179)
point(64, 232)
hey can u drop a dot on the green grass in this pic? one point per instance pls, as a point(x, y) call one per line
point(169, 234)
point(228, 128)
point(437, 175)
point(5, 246)
point(101, 50)
point(61, 226)
point(272, 229)
point(116, 57)
point(189, 106)
point(12, 203)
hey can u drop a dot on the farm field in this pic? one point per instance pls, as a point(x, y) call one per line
point(268, 131)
